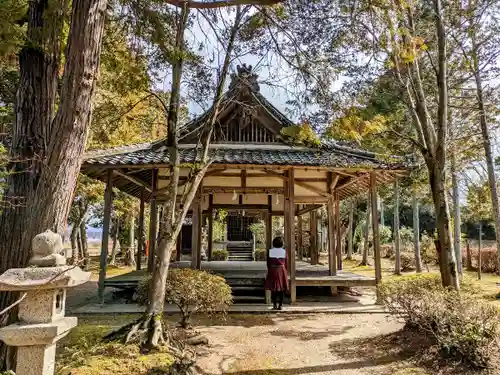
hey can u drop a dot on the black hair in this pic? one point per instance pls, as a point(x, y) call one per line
point(278, 242)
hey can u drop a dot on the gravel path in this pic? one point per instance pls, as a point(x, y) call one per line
point(318, 344)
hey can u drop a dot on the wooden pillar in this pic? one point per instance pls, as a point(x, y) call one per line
point(108, 200)
point(286, 220)
point(153, 221)
point(140, 235)
point(313, 237)
point(210, 226)
point(291, 222)
point(300, 240)
point(338, 245)
point(332, 256)
point(269, 222)
point(375, 229)
point(197, 220)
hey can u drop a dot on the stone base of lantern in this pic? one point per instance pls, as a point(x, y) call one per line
point(36, 344)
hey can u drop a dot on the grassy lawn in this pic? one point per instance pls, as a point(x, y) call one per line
point(83, 353)
point(487, 285)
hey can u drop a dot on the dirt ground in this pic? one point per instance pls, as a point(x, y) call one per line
point(315, 344)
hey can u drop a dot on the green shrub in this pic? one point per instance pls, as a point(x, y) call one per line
point(462, 325)
point(259, 231)
point(385, 234)
point(407, 261)
point(406, 236)
point(260, 255)
point(428, 250)
point(221, 254)
point(488, 259)
point(192, 291)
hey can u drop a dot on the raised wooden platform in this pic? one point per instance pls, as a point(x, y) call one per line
point(252, 275)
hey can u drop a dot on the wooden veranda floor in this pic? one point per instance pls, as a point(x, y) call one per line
point(254, 273)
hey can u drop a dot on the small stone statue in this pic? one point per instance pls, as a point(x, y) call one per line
point(46, 249)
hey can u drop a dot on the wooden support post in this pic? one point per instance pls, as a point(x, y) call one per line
point(108, 201)
point(153, 222)
point(332, 256)
point(196, 233)
point(300, 240)
point(269, 222)
point(338, 245)
point(210, 226)
point(286, 220)
point(291, 221)
point(375, 230)
point(140, 235)
point(313, 238)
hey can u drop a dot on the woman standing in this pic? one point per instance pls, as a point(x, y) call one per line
point(277, 275)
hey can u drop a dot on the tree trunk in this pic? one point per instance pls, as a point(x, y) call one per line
point(85, 244)
point(456, 214)
point(366, 244)
point(444, 247)
point(397, 238)
point(114, 249)
point(469, 256)
point(416, 233)
point(350, 230)
point(479, 250)
point(80, 247)
point(74, 243)
point(47, 150)
point(485, 132)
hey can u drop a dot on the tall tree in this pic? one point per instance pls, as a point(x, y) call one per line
point(47, 144)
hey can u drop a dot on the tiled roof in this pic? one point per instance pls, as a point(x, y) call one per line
point(329, 155)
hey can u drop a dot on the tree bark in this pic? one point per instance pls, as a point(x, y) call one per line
point(85, 244)
point(46, 150)
point(397, 237)
point(74, 243)
point(485, 131)
point(456, 213)
point(469, 256)
point(350, 230)
point(79, 247)
point(114, 248)
point(382, 213)
point(416, 233)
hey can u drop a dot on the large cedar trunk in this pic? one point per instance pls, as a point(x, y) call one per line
point(447, 263)
point(397, 237)
point(46, 150)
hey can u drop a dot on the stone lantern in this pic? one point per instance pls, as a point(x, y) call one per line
point(42, 287)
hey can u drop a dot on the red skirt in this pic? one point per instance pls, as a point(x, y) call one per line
point(277, 278)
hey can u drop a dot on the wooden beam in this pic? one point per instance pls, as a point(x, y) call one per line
point(332, 182)
point(338, 244)
point(309, 199)
point(375, 229)
point(332, 261)
point(311, 179)
point(262, 207)
point(307, 209)
point(291, 223)
point(153, 221)
point(300, 242)
point(210, 225)
point(108, 201)
point(353, 181)
point(178, 246)
point(244, 178)
point(242, 190)
point(133, 180)
point(140, 236)
point(313, 238)
point(304, 185)
point(214, 172)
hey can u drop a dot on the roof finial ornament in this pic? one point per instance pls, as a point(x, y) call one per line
point(244, 77)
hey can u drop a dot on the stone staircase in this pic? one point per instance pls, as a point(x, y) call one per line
point(240, 251)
